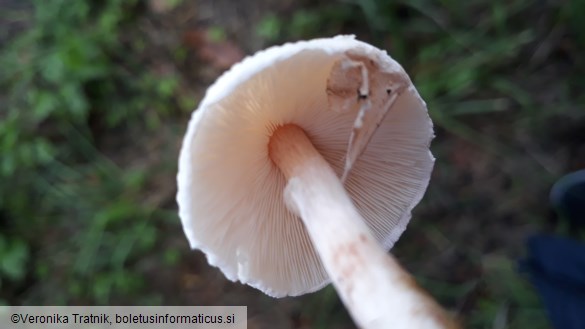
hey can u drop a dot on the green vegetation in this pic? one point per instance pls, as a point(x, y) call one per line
point(72, 220)
point(90, 107)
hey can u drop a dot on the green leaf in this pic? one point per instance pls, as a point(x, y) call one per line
point(172, 256)
point(53, 68)
point(13, 258)
point(269, 27)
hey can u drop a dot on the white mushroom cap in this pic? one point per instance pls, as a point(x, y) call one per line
point(230, 193)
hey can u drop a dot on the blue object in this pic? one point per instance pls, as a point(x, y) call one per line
point(568, 198)
point(556, 267)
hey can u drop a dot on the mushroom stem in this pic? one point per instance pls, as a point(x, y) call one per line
point(376, 290)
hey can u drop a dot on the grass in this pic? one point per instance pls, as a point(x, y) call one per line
point(86, 211)
point(73, 219)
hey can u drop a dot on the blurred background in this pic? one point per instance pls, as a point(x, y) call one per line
point(96, 95)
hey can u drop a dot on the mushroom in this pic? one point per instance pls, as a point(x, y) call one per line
point(301, 167)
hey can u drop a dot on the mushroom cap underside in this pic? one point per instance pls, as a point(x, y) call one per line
point(230, 193)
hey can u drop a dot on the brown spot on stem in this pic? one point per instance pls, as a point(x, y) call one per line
point(349, 260)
